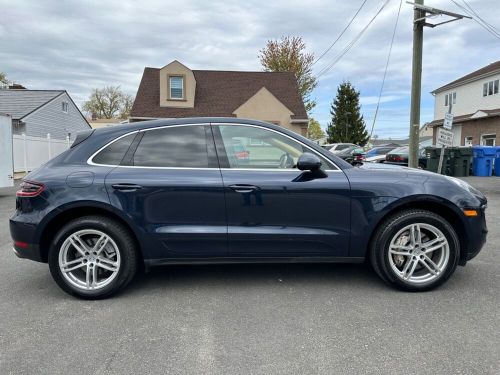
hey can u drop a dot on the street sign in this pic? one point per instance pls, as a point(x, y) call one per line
point(444, 137)
point(448, 121)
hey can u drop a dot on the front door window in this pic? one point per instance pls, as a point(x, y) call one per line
point(249, 147)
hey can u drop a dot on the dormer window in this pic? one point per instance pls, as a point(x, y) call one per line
point(176, 87)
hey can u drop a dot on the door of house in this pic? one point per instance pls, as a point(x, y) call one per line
point(6, 161)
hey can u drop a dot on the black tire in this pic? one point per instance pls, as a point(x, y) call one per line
point(379, 249)
point(120, 235)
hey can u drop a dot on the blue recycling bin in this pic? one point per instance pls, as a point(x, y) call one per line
point(482, 163)
point(497, 162)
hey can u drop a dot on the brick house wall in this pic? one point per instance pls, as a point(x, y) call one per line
point(475, 129)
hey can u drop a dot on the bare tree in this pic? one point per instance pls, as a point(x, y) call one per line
point(109, 102)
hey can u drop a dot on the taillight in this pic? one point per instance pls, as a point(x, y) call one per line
point(30, 189)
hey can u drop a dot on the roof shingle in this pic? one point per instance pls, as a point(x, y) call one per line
point(218, 93)
point(19, 103)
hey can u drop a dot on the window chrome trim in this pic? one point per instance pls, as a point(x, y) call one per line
point(91, 162)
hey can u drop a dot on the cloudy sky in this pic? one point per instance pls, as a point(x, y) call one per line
point(80, 45)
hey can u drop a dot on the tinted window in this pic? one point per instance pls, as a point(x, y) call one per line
point(252, 147)
point(179, 146)
point(114, 153)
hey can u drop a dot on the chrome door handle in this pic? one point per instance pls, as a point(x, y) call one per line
point(242, 188)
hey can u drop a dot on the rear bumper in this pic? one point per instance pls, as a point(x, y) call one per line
point(23, 236)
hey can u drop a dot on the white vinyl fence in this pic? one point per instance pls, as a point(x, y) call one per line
point(31, 152)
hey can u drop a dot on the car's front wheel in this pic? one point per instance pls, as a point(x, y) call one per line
point(415, 250)
point(93, 257)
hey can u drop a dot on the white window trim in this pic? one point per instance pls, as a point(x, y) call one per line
point(183, 96)
point(488, 135)
point(65, 104)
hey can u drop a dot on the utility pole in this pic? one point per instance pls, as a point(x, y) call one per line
point(416, 84)
point(420, 14)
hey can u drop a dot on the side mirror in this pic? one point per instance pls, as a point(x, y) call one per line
point(312, 165)
point(308, 162)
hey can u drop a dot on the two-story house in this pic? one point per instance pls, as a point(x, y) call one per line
point(177, 91)
point(475, 104)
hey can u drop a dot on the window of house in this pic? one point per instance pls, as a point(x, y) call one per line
point(491, 87)
point(450, 98)
point(177, 146)
point(65, 107)
point(468, 141)
point(488, 140)
point(249, 147)
point(176, 84)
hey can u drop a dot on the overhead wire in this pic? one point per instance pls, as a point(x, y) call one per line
point(352, 43)
point(386, 68)
point(342, 33)
point(478, 19)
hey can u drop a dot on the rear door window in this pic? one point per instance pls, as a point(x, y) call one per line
point(174, 147)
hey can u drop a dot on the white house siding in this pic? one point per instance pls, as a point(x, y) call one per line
point(469, 99)
point(51, 119)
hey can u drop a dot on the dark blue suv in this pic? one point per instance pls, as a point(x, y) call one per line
point(216, 190)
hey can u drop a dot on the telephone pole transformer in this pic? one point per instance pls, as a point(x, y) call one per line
point(420, 15)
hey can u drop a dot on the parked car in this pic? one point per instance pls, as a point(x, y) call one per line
point(400, 155)
point(337, 147)
point(377, 154)
point(353, 155)
point(172, 192)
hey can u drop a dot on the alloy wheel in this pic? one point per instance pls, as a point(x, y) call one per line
point(419, 253)
point(89, 259)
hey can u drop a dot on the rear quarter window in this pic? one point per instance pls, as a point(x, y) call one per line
point(114, 152)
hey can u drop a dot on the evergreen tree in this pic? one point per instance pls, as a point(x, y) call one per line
point(347, 125)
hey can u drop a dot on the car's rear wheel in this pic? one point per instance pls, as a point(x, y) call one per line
point(415, 250)
point(93, 257)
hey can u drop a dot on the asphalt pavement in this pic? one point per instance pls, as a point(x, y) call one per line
point(254, 319)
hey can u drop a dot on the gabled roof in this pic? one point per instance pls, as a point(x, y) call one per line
point(19, 103)
point(485, 71)
point(218, 93)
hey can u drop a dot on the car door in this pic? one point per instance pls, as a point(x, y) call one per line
point(169, 183)
point(273, 209)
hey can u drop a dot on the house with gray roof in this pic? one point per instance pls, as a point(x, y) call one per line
point(37, 113)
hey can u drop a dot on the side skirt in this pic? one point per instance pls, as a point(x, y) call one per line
point(166, 261)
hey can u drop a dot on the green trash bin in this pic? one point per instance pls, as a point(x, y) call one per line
point(461, 161)
point(432, 154)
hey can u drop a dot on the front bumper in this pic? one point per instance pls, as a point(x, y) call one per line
point(476, 233)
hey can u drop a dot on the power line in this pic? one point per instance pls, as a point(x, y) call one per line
point(490, 26)
point(386, 68)
point(352, 43)
point(342, 33)
point(468, 9)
